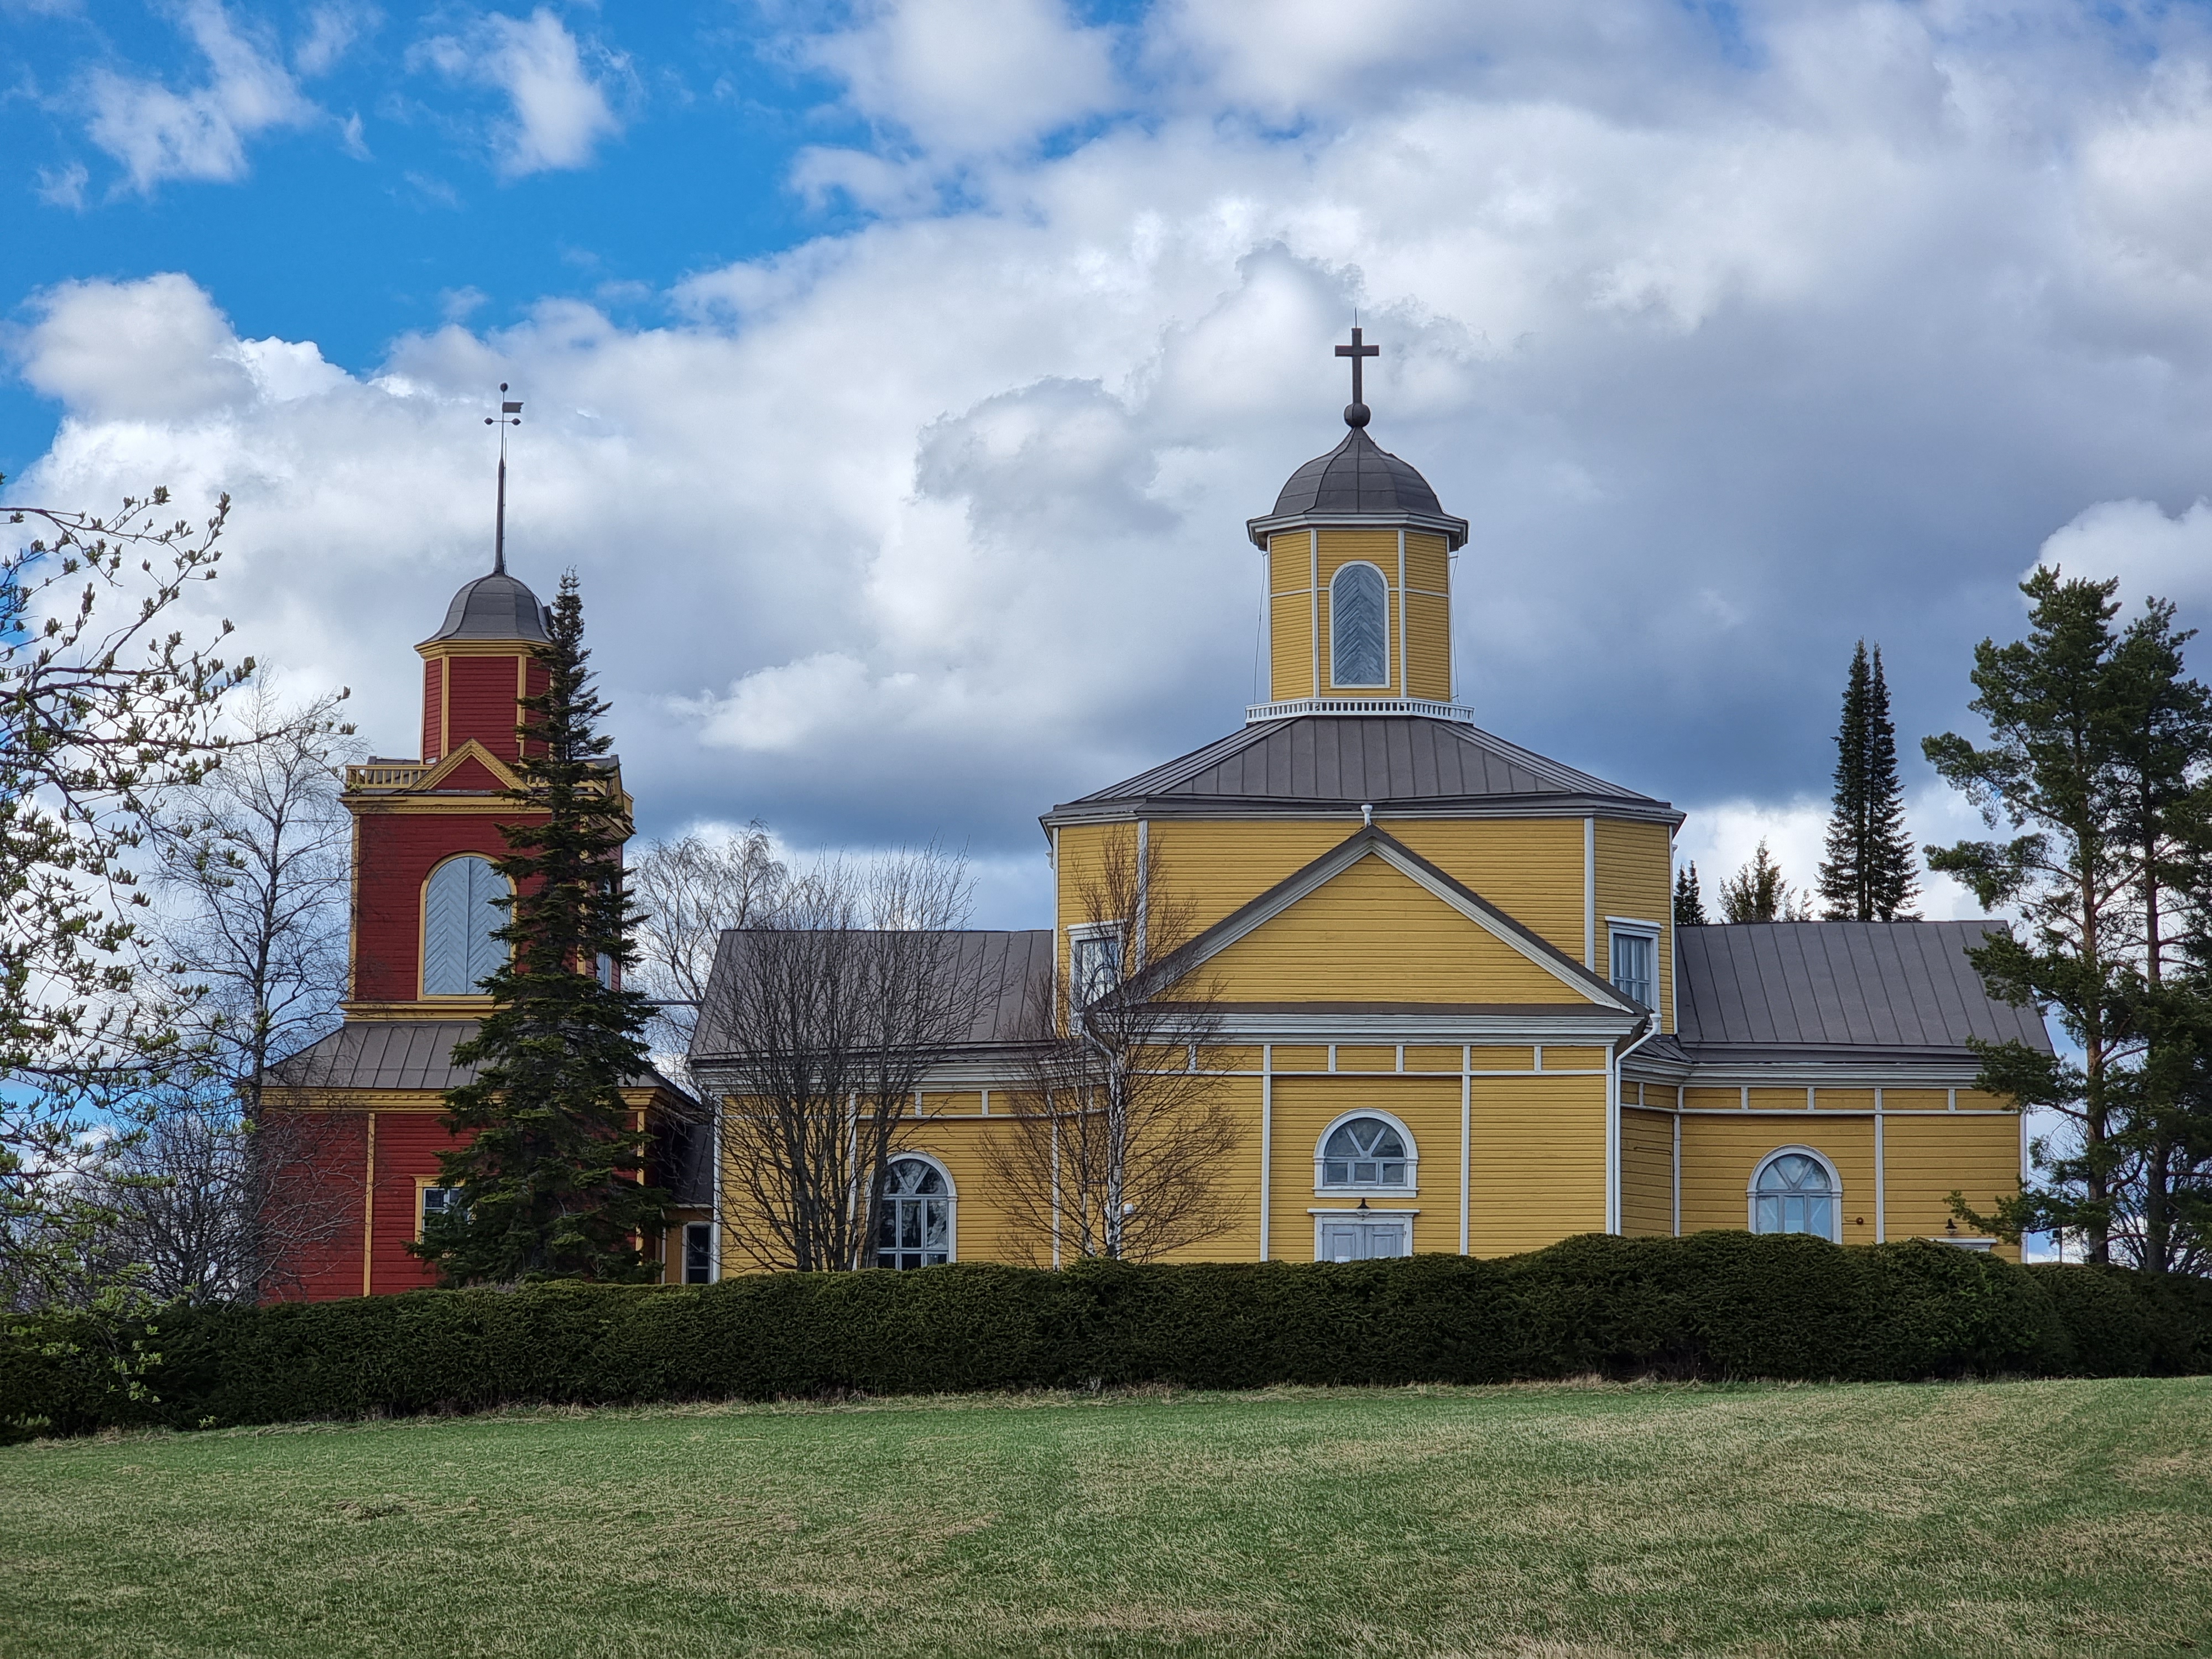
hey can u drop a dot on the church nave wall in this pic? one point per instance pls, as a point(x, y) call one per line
point(1647, 1173)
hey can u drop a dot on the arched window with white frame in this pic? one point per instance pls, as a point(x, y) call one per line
point(914, 1218)
point(1365, 1152)
point(1796, 1189)
point(461, 912)
point(1358, 627)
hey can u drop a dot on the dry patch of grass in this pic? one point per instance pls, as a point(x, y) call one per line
point(2035, 1518)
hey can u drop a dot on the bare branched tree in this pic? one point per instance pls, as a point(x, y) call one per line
point(690, 892)
point(816, 1035)
point(1122, 1141)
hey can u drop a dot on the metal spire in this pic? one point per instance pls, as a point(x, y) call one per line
point(1355, 413)
point(510, 413)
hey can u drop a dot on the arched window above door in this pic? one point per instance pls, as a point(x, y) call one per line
point(1796, 1190)
point(461, 911)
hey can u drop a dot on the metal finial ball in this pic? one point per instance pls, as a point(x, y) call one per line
point(1356, 415)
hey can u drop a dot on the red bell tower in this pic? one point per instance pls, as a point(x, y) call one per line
point(370, 1099)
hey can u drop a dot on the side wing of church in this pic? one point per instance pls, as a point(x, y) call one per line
point(1458, 1014)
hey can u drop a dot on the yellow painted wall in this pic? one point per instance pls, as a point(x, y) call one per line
point(1299, 577)
point(1720, 1153)
point(1373, 935)
point(1306, 1106)
point(1925, 1157)
point(1537, 1163)
point(1647, 1173)
point(1634, 877)
point(1530, 868)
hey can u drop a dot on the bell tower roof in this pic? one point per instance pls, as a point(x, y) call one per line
point(494, 607)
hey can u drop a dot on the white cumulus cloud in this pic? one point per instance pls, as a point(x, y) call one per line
point(159, 133)
point(559, 110)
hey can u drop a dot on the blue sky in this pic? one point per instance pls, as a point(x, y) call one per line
point(900, 375)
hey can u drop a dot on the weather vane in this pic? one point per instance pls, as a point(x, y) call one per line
point(1355, 413)
point(510, 413)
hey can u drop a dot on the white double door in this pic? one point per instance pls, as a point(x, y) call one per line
point(1362, 1238)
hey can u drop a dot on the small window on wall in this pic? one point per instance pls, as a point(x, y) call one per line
point(698, 1253)
point(1634, 955)
point(1095, 961)
point(1795, 1191)
point(1365, 1152)
point(1358, 627)
point(913, 1226)
point(439, 1201)
point(461, 911)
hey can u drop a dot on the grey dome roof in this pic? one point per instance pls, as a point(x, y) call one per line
point(496, 607)
point(1357, 476)
point(1358, 479)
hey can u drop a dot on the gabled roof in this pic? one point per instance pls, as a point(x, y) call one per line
point(1805, 986)
point(999, 968)
point(395, 1054)
point(1344, 762)
point(1371, 842)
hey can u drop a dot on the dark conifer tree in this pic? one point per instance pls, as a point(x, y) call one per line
point(1689, 901)
point(551, 1181)
point(1868, 874)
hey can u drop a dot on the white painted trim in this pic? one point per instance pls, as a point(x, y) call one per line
point(1287, 708)
point(1677, 1173)
point(1336, 576)
point(1617, 926)
point(1589, 894)
point(1611, 1142)
point(1405, 689)
point(1880, 1176)
point(951, 1199)
point(1144, 892)
point(1412, 1183)
point(1322, 1218)
point(1313, 600)
point(1466, 1137)
point(1266, 1141)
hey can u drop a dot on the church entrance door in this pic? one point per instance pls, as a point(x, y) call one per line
point(1363, 1240)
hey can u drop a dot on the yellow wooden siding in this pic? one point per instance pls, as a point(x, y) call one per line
point(1777, 1100)
point(1558, 1059)
point(1530, 868)
point(1843, 1100)
point(1290, 640)
point(1633, 879)
point(1428, 564)
point(1304, 1107)
point(1973, 1100)
point(1537, 1164)
point(1924, 1158)
point(1373, 935)
point(1711, 1099)
point(1503, 1060)
point(1719, 1155)
point(1425, 1058)
point(1915, 1100)
point(1366, 1057)
point(1646, 1174)
point(1428, 646)
point(1301, 1057)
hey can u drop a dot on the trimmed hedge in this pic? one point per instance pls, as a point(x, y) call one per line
point(1717, 1305)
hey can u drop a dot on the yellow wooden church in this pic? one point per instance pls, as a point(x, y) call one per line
point(1452, 1011)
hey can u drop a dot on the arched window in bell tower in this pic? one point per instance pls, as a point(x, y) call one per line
point(461, 912)
point(1359, 627)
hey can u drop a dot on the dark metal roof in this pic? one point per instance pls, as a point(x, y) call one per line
point(394, 1053)
point(1358, 479)
point(1826, 985)
point(1347, 761)
point(1001, 967)
point(496, 607)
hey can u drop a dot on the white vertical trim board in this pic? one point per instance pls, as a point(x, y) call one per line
point(1267, 1138)
point(1466, 1128)
point(1611, 1141)
point(1678, 1171)
point(1880, 1219)
point(1589, 894)
point(1402, 680)
point(1313, 597)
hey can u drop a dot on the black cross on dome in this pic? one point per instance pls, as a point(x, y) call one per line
point(1355, 413)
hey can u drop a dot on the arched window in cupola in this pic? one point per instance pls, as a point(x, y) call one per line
point(461, 912)
point(1359, 627)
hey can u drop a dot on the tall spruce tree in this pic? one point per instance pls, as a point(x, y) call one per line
point(1689, 901)
point(1868, 874)
point(551, 1178)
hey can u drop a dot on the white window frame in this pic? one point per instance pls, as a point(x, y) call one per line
point(424, 1186)
point(1632, 928)
point(1323, 1219)
point(951, 1202)
point(1752, 1193)
point(1083, 932)
point(1412, 1183)
point(1336, 576)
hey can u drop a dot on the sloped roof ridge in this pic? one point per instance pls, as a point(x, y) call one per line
point(1169, 773)
point(1557, 773)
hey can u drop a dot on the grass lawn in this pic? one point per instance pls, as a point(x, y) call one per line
point(2002, 1519)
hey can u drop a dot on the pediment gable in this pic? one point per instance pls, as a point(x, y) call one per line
point(1372, 921)
point(472, 766)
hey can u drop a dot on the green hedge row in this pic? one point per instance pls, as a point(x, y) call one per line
point(1714, 1305)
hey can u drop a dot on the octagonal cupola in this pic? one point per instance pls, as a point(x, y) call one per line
point(1358, 572)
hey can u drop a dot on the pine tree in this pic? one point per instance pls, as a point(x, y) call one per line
point(1757, 893)
point(551, 1180)
point(1868, 874)
point(1689, 901)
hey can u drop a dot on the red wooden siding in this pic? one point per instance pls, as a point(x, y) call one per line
point(397, 852)
point(484, 706)
point(433, 706)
